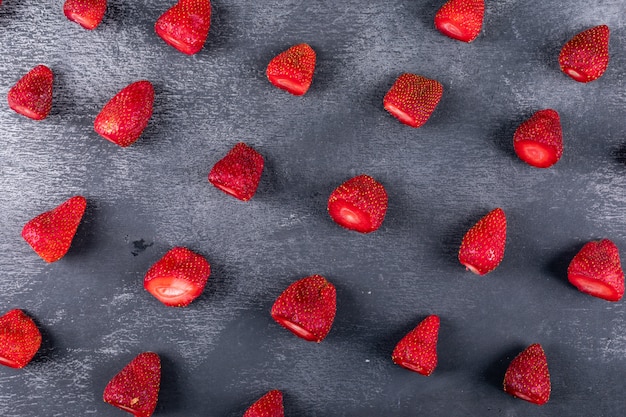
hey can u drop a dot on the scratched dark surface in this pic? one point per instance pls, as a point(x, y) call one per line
point(224, 351)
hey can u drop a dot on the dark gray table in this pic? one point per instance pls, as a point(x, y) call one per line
point(224, 351)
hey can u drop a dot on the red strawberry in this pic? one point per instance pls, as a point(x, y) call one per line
point(597, 270)
point(417, 351)
point(307, 308)
point(178, 278)
point(126, 115)
point(585, 57)
point(527, 376)
point(87, 13)
point(185, 26)
point(413, 98)
point(20, 339)
point(292, 70)
point(539, 140)
point(50, 234)
point(359, 204)
point(269, 405)
point(482, 248)
point(239, 172)
point(31, 96)
point(461, 19)
point(135, 388)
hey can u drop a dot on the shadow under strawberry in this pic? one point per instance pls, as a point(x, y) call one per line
point(85, 239)
point(452, 236)
point(494, 374)
point(170, 392)
point(48, 351)
point(619, 154)
point(558, 263)
point(221, 32)
point(427, 11)
point(502, 136)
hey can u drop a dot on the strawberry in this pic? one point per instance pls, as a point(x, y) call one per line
point(292, 70)
point(417, 351)
point(239, 172)
point(538, 141)
point(31, 96)
point(87, 13)
point(126, 115)
point(585, 57)
point(185, 26)
point(269, 405)
point(307, 308)
point(527, 376)
point(482, 248)
point(135, 388)
point(413, 98)
point(596, 270)
point(50, 234)
point(359, 204)
point(20, 339)
point(461, 19)
point(178, 278)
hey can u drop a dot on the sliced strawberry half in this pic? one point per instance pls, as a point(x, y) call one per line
point(87, 13)
point(527, 376)
point(185, 26)
point(461, 19)
point(359, 204)
point(269, 405)
point(178, 278)
point(597, 270)
point(31, 96)
point(538, 141)
point(292, 70)
point(20, 339)
point(417, 351)
point(413, 98)
point(482, 248)
point(585, 57)
point(239, 172)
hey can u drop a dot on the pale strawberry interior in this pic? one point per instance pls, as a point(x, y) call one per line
point(472, 268)
point(292, 86)
point(535, 154)
point(296, 329)
point(594, 287)
point(171, 290)
point(228, 190)
point(400, 115)
point(350, 217)
point(81, 20)
point(412, 367)
point(128, 409)
point(25, 111)
point(450, 29)
point(522, 396)
point(9, 362)
point(180, 45)
point(578, 76)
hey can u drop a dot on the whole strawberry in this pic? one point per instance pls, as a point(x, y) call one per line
point(461, 19)
point(126, 115)
point(585, 57)
point(527, 376)
point(539, 140)
point(359, 204)
point(239, 172)
point(50, 234)
point(185, 26)
point(307, 308)
point(20, 339)
point(31, 96)
point(413, 98)
point(597, 270)
point(417, 351)
point(135, 388)
point(482, 248)
point(269, 405)
point(178, 278)
point(292, 70)
point(87, 13)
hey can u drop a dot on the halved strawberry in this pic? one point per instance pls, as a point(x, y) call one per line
point(239, 172)
point(417, 351)
point(269, 405)
point(413, 98)
point(292, 70)
point(482, 248)
point(87, 13)
point(135, 388)
point(307, 308)
point(50, 234)
point(20, 339)
point(126, 115)
point(585, 57)
point(185, 26)
point(527, 376)
point(359, 204)
point(178, 278)
point(461, 19)
point(538, 141)
point(31, 96)
point(597, 270)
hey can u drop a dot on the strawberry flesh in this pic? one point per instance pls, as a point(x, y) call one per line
point(20, 339)
point(597, 270)
point(50, 234)
point(269, 405)
point(585, 57)
point(185, 26)
point(482, 248)
point(538, 141)
point(527, 376)
point(31, 96)
point(461, 19)
point(413, 98)
point(417, 351)
point(239, 172)
point(126, 115)
point(87, 13)
point(178, 278)
point(359, 204)
point(292, 70)
point(307, 308)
